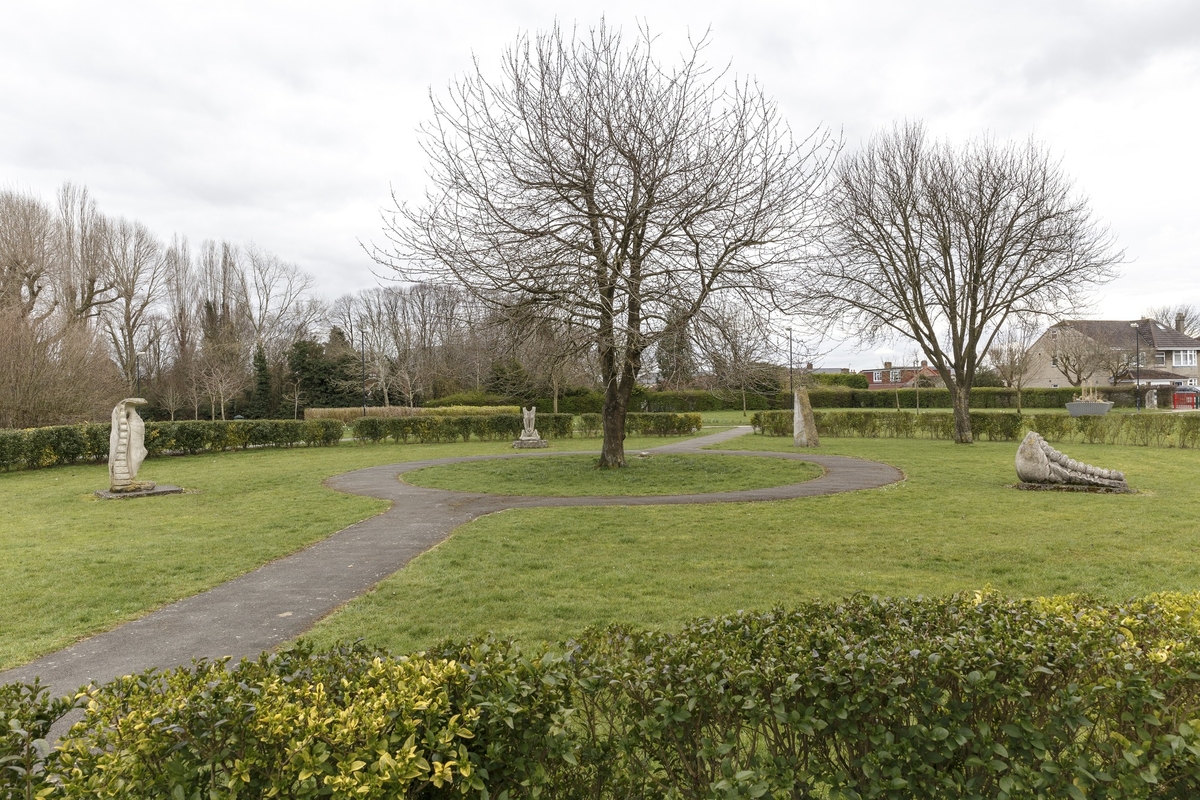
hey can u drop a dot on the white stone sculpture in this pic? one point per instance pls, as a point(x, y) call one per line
point(1040, 465)
point(529, 435)
point(127, 448)
point(804, 424)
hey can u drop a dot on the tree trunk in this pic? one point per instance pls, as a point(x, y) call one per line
point(962, 414)
point(616, 403)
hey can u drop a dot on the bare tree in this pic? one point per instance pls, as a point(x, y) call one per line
point(1076, 355)
point(136, 265)
point(593, 185)
point(85, 279)
point(1010, 353)
point(27, 251)
point(1186, 313)
point(944, 244)
point(276, 302)
point(738, 347)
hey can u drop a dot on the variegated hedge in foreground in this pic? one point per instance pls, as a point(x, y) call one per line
point(968, 696)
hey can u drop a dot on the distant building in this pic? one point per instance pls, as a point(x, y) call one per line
point(890, 376)
point(1114, 353)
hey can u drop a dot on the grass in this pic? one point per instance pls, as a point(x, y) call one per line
point(545, 574)
point(74, 566)
point(573, 476)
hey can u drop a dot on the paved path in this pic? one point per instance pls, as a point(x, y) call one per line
point(283, 599)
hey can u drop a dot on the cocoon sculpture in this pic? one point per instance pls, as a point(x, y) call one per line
point(1041, 466)
point(127, 448)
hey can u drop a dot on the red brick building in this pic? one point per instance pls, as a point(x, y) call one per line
point(890, 376)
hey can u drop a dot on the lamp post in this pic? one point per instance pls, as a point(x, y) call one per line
point(1137, 366)
point(362, 340)
point(137, 374)
point(791, 383)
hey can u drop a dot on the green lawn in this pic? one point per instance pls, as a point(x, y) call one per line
point(71, 565)
point(545, 574)
point(570, 476)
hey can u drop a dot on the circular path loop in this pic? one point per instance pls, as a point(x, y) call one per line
point(283, 599)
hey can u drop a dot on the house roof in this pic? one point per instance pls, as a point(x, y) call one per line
point(1152, 334)
point(1153, 374)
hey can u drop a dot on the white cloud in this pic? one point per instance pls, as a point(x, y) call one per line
point(286, 123)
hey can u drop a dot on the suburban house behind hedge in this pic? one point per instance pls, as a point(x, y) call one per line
point(1109, 352)
point(893, 377)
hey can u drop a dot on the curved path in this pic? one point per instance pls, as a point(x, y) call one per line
point(283, 599)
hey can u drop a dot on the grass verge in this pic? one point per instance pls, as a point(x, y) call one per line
point(545, 574)
point(74, 566)
point(576, 476)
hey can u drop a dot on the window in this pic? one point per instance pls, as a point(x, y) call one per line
point(1183, 358)
point(1160, 359)
point(877, 377)
point(895, 376)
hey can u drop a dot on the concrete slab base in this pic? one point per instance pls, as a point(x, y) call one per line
point(1070, 487)
point(105, 494)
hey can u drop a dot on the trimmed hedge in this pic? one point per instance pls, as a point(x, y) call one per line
point(647, 424)
point(1151, 429)
point(967, 696)
point(983, 397)
point(68, 444)
point(451, 428)
point(349, 415)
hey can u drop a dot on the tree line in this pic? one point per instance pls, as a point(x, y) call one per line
point(95, 307)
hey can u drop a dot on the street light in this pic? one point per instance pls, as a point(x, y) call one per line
point(137, 373)
point(1137, 365)
point(791, 383)
point(362, 338)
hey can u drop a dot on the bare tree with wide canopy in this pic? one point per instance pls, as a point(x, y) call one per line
point(590, 184)
point(944, 244)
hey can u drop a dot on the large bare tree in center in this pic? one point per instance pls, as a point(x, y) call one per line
point(944, 244)
point(589, 184)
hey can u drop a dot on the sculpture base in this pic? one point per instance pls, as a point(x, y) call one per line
point(530, 444)
point(106, 494)
point(1070, 487)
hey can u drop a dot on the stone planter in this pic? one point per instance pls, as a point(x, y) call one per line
point(1089, 408)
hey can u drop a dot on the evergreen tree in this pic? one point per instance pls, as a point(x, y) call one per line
point(261, 405)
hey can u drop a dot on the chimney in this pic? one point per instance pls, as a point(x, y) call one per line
point(808, 366)
point(924, 363)
point(887, 365)
point(1179, 322)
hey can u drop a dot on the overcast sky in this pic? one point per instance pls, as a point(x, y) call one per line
point(285, 123)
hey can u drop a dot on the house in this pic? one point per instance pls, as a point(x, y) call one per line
point(1114, 353)
point(893, 377)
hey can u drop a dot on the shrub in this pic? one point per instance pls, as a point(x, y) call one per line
point(1189, 430)
point(967, 696)
point(849, 380)
point(999, 426)
point(451, 428)
point(1053, 427)
point(468, 399)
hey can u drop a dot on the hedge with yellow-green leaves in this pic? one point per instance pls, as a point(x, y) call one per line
point(967, 696)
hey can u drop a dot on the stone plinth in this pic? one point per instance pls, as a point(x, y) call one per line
point(154, 491)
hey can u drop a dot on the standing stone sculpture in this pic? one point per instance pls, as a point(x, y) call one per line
point(126, 451)
point(804, 425)
point(529, 436)
point(127, 448)
point(1040, 466)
